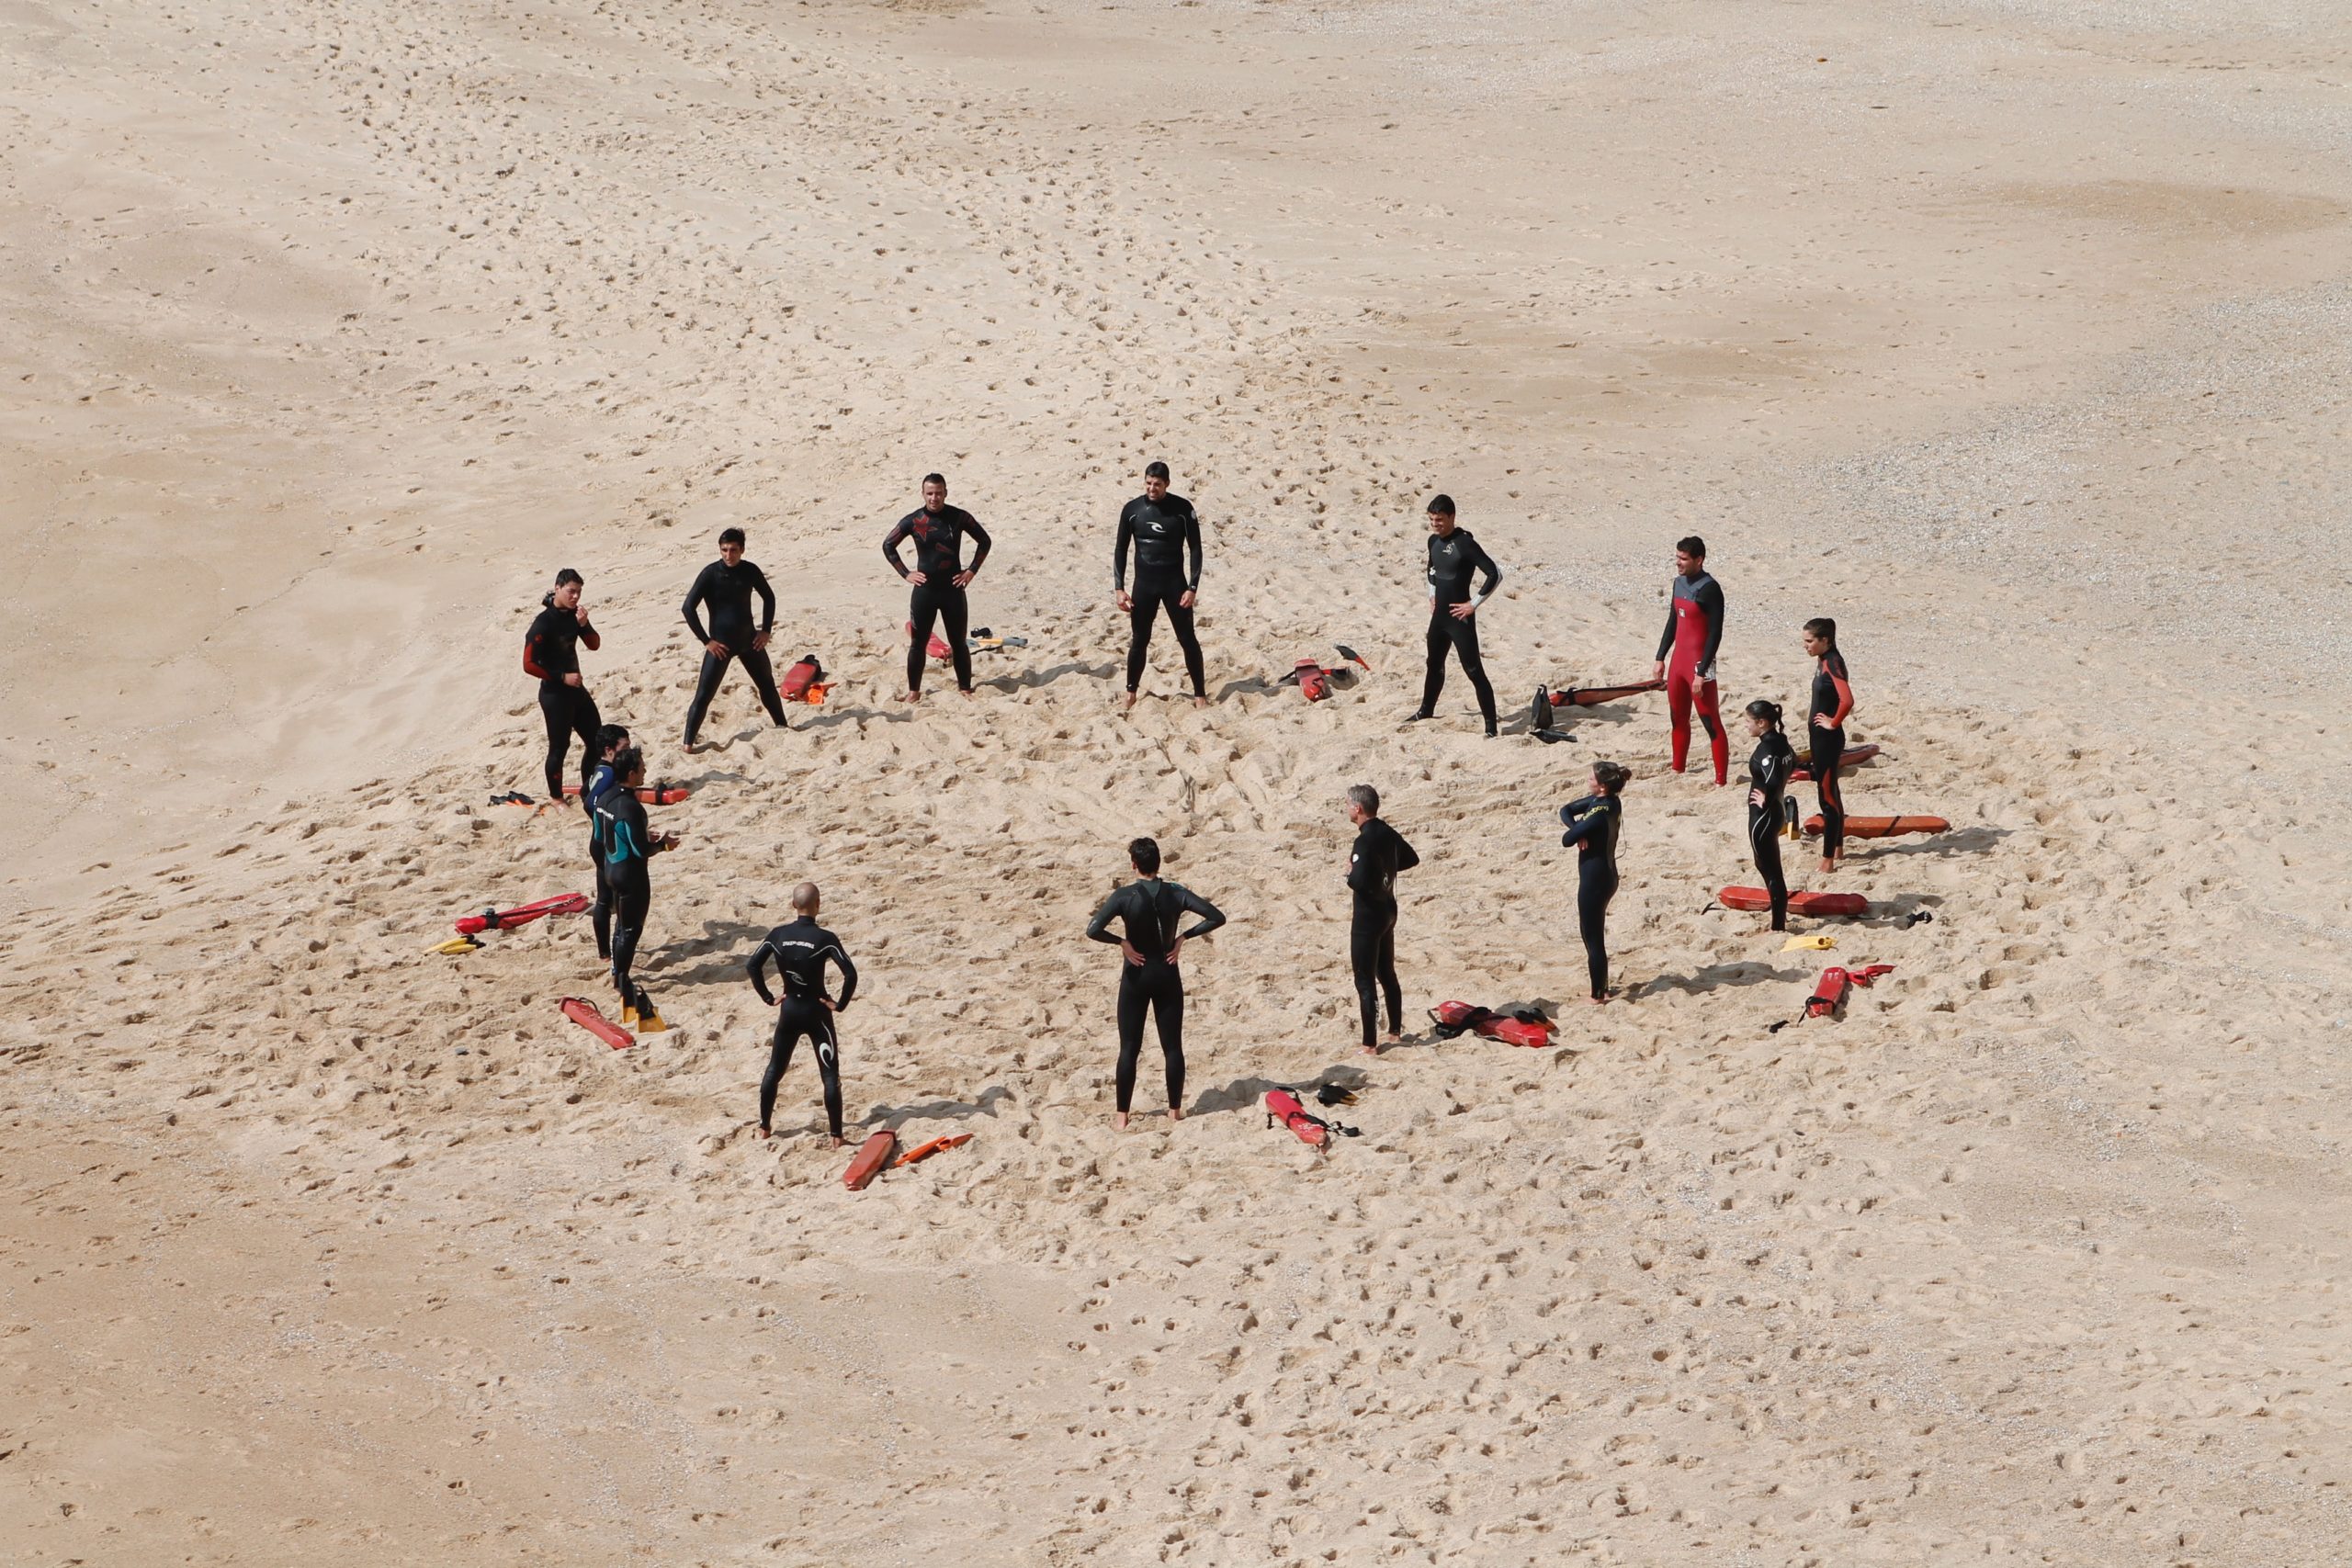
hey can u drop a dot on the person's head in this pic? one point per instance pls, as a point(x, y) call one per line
point(568, 587)
point(1155, 480)
point(1690, 554)
point(730, 544)
point(1608, 778)
point(804, 900)
point(935, 491)
point(610, 739)
point(1820, 636)
point(1363, 804)
point(628, 766)
point(1144, 855)
point(1763, 718)
point(1441, 511)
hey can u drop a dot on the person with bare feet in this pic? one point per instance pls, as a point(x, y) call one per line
point(1374, 860)
point(1833, 703)
point(800, 952)
point(609, 741)
point(551, 654)
point(1592, 824)
point(1149, 910)
point(938, 578)
point(1686, 654)
point(1454, 558)
point(1167, 538)
point(726, 589)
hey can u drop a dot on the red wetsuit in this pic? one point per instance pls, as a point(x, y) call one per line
point(1694, 630)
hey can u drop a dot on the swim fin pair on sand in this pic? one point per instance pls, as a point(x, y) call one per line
point(1829, 993)
point(1283, 1107)
point(1313, 678)
point(1514, 1026)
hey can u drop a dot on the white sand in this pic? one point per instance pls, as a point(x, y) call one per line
point(2012, 335)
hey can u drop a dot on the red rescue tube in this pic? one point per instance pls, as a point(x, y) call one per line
point(651, 794)
point(583, 1014)
point(1516, 1032)
point(1851, 756)
point(1283, 1106)
point(1799, 903)
point(800, 679)
point(872, 1156)
point(1314, 681)
point(523, 915)
point(1883, 827)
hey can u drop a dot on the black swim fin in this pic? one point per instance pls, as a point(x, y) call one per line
point(1555, 737)
point(1539, 715)
point(1333, 1094)
point(1350, 655)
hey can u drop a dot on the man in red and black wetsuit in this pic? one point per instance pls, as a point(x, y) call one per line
point(1686, 655)
point(551, 655)
point(938, 578)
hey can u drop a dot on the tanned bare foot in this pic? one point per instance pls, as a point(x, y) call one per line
point(1200, 702)
point(841, 1142)
point(1175, 1114)
point(1129, 706)
point(1120, 1121)
point(912, 698)
point(765, 1133)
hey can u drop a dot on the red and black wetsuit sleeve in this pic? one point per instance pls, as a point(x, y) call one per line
point(1710, 596)
point(549, 647)
point(1833, 692)
point(903, 531)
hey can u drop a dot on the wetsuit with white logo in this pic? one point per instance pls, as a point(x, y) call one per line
point(800, 952)
point(726, 591)
point(939, 554)
point(1166, 536)
point(1694, 631)
point(1148, 911)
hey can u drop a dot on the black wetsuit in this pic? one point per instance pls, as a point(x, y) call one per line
point(726, 591)
point(628, 845)
point(1833, 698)
point(1453, 561)
point(800, 952)
point(939, 556)
point(1592, 829)
point(1374, 860)
point(1148, 911)
point(1167, 535)
point(1769, 768)
point(551, 651)
point(601, 916)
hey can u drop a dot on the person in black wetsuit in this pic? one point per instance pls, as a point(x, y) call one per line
point(939, 578)
point(1769, 770)
point(800, 952)
point(1374, 860)
point(1593, 823)
point(1833, 701)
point(725, 587)
point(1167, 537)
point(551, 654)
point(1149, 910)
point(1454, 557)
point(629, 844)
point(610, 739)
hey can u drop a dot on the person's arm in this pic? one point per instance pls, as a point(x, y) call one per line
point(1586, 825)
point(1429, 573)
point(1666, 638)
point(1099, 929)
point(890, 546)
point(1486, 568)
point(532, 664)
point(1119, 552)
point(756, 967)
point(1845, 693)
point(980, 538)
point(849, 975)
point(1405, 859)
point(696, 597)
point(1361, 871)
point(1711, 604)
point(1192, 548)
point(767, 601)
point(1210, 916)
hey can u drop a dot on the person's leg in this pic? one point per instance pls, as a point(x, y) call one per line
point(1168, 1017)
point(1364, 958)
point(1828, 752)
point(1434, 671)
point(1592, 924)
point(955, 618)
point(1707, 697)
point(1139, 619)
point(714, 670)
point(1132, 999)
point(787, 1035)
point(1678, 712)
point(1384, 956)
point(923, 609)
point(585, 722)
point(829, 1066)
point(1466, 648)
point(631, 907)
point(762, 670)
point(1180, 621)
point(555, 711)
point(1764, 838)
point(600, 915)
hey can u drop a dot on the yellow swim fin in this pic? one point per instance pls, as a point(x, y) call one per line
point(1817, 942)
point(456, 944)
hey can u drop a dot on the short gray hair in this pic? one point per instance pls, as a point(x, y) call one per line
point(1365, 796)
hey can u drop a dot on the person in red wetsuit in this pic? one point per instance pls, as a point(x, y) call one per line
point(1833, 701)
point(551, 655)
point(1686, 655)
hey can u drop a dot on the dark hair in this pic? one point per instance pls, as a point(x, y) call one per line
point(1365, 796)
point(626, 761)
point(609, 736)
point(731, 536)
point(1768, 711)
point(1145, 853)
point(934, 478)
point(1442, 505)
point(1610, 776)
point(1824, 629)
point(1155, 470)
point(1692, 545)
point(568, 575)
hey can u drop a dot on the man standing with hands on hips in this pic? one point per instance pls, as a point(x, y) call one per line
point(939, 578)
point(1454, 556)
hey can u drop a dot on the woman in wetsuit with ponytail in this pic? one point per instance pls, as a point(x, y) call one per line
point(1769, 767)
point(1592, 825)
point(1833, 702)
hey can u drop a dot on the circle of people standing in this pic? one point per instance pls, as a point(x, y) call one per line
point(1163, 533)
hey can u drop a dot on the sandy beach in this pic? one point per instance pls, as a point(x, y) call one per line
point(2016, 335)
